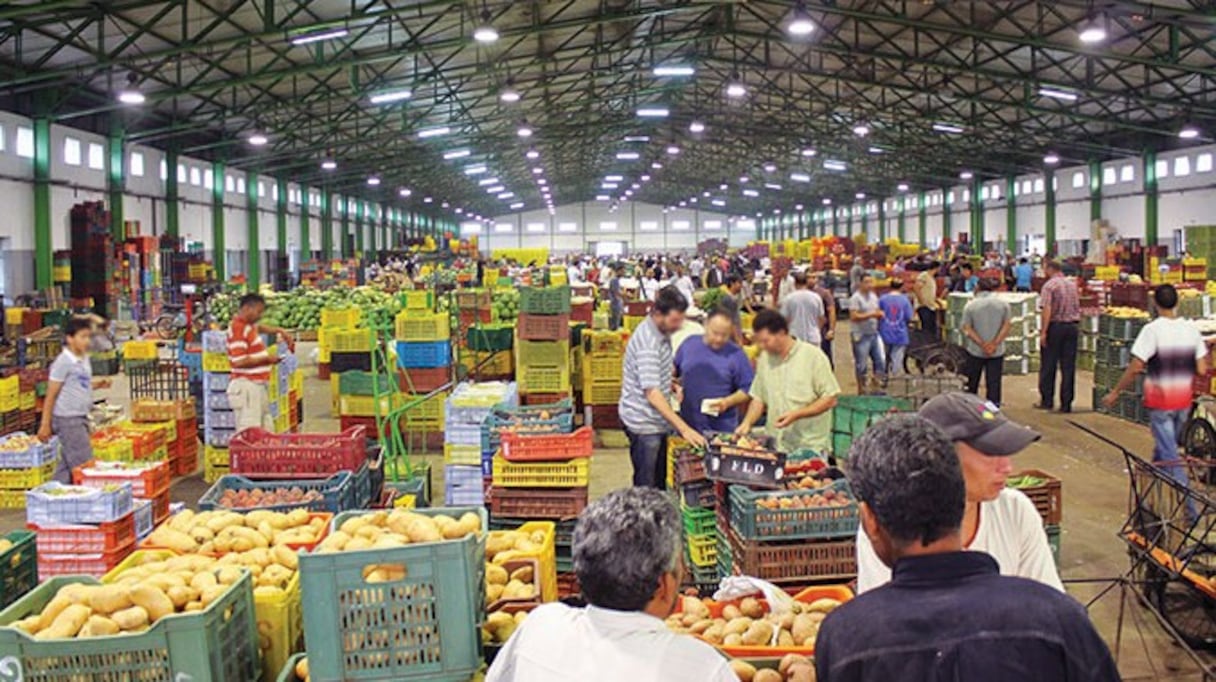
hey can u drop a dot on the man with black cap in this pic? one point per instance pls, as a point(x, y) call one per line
point(998, 520)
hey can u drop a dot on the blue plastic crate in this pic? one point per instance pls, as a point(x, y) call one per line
point(144, 520)
point(462, 434)
point(338, 492)
point(423, 354)
point(48, 505)
point(32, 457)
point(463, 485)
point(219, 419)
point(216, 381)
point(217, 437)
point(216, 400)
point(215, 341)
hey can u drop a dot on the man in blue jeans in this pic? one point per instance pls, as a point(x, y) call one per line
point(893, 325)
point(1172, 351)
point(864, 314)
point(647, 387)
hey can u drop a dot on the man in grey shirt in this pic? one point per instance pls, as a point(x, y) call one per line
point(646, 390)
point(986, 323)
point(864, 314)
point(69, 398)
point(803, 309)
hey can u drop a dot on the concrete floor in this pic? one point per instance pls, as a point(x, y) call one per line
point(1095, 486)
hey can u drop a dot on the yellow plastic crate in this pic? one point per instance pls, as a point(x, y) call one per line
point(414, 325)
point(61, 274)
point(216, 362)
point(114, 450)
point(24, 479)
point(349, 340)
point(499, 364)
point(28, 400)
point(417, 300)
point(631, 322)
point(169, 428)
point(296, 383)
point(280, 626)
point(12, 499)
point(139, 350)
point(601, 392)
point(282, 423)
point(334, 393)
point(340, 317)
point(365, 405)
point(215, 456)
point(213, 472)
point(14, 316)
point(10, 394)
point(429, 412)
point(601, 368)
point(542, 379)
point(462, 455)
point(323, 355)
point(574, 473)
point(702, 549)
point(545, 554)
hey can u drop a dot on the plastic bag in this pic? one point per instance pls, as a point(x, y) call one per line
point(736, 587)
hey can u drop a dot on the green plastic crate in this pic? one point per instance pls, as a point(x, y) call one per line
point(699, 521)
point(752, 522)
point(490, 337)
point(542, 353)
point(424, 627)
point(544, 300)
point(18, 567)
point(854, 414)
point(219, 643)
point(355, 382)
point(1053, 540)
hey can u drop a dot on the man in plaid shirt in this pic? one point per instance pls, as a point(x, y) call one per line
point(1058, 337)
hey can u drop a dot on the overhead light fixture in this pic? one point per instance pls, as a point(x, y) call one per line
point(609, 185)
point(653, 112)
point(130, 94)
point(524, 130)
point(800, 177)
point(319, 36)
point(532, 154)
point(705, 194)
point(1093, 30)
point(683, 204)
point(405, 192)
point(627, 156)
point(947, 128)
point(258, 140)
point(776, 211)
point(613, 178)
point(827, 202)
point(658, 166)
point(800, 24)
point(1051, 159)
point(772, 186)
point(861, 130)
point(645, 178)
point(692, 200)
point(966, 175)
point(456, 154)
point(743, 179)
point(808, 152)
point(506, 195)
point(427, 200)
point(750, 193)
point(735, 88)
point(696, 127)
point(517, 205)
point(485, 33)
point(674, 70)
point(509, 94)
point(628, 192)
point(495, 189)
point(860, 195)
point(537, 170)
point(673, 150)
point(373, 181)
point(542, 182)
point(718, 202)
point(391, 96)
point(475, 170)
point(877, 150)
point(434, 132)
point(770, 168)
point(486, 182)
point(902, 187)
point(459, 210)
point(834, 165)
point(797, 207)
point(723, 187)
point(1057, 93)
point(637, 138)
point(329, 164)
point(1188, 132)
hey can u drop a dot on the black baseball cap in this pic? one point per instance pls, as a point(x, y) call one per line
point(979, 423)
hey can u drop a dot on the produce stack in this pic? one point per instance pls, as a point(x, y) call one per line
point(219, 421)
point(1117, 331)
point(464, 475)
point(81, 530)
point(603, 358)
point(31, 384)
point(486, 321)
point(1046, 492)
point(542, 344)
point(424, 364)
point(183, 450)
point(10, 404)
point(686, 471)
point(635, 312)
point(25, 462)
point(340, 332)
point(93, 258)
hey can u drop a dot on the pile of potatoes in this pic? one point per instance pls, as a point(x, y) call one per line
point(505, 545)
point(792, 668)
point(220, 532)
point(748, 623)
point(397, 528)
point(135, 602)
point(500, 625)
point(517, 584)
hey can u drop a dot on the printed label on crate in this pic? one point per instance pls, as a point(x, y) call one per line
point(759, 471)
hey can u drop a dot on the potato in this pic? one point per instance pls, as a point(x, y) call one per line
point(785, 639)
point(700, 627)
point(155, 602)
point(302, 668)
point(738, 626)
point(66, 623)
point(732, 639)
point(28, 625)
point(52, 610)
point(210, 594)
point(203, 579)
point(746, 672)
point(759, 633)
point(695, 607)
point(801, 672)
point(803, 628)
point(767, 675)
point(823, 605)
point(494, 592)
point(751, 607)
point(183, 520)
point(788, 661)
point(193, 606)
point(170, 537)
point(228, 575)
point(285, 556)
point(523, 574)
point(423, 530)
point(713, 633)
point(98, 626)
point(496, 575)
point(107, 599)
point(471, 523)
point(181, 595)
point(731, 612)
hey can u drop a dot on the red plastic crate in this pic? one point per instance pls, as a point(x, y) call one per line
point(468, 318)
point(544, 327)
point(549, 447)
point(423, 380)
point(257, 453)
point(637, 308)
point(96, 565)
point(583, 312)
point(85, 538)
point(185, 464)
point(606, 417)
point(150, 482)
point(543, 398)
point(323, 371)
point(160, 507)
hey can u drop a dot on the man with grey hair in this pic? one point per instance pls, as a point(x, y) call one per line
point(947, 614)
point(627, 555)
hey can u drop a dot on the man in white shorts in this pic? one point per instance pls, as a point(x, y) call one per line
point(998, 520)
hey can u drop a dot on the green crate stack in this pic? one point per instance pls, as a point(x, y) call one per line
point(701, 535)
point(855, 413)
point(544, 367)
point(1201, 243)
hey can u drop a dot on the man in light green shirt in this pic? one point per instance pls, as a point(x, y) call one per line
point(795, 384)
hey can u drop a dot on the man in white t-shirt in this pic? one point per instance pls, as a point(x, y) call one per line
point(998, 520)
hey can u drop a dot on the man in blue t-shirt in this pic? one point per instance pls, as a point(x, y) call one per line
point(1023, 272)
point(715, 373)
point(893, 327)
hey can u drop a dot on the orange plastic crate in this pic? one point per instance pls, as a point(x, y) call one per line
point(550, 447)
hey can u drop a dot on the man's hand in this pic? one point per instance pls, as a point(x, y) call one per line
point(1043, 339)
point(785, 420)
point(1110, 399)
point(44, 432)
point(678, 391)
point(694, 438)
point(743, 429)
point(718, 405)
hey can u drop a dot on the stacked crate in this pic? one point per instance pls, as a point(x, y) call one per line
point(424, 364)
point(687, 479)
point(853, 414)
point(1046, 492)
point(10, 404)
point(485, 342)
point(334, 320)
point(31, 387)
point(81, 530)
point(25, 462)
point(603, 358)
point(1116, 333)
point(465, 477)
point(542, 344)
point(183, 450)
point(219, 421)
point(93, 258)
point(149, 483)
point(1022, 344)
point(1087, 342)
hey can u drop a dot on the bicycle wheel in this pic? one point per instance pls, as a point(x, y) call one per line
point(1199, 442)
point(1191, 612)
point(166, 326)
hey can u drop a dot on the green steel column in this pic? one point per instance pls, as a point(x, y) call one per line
point(882, 220)
point(43, 250)
point(253, 237)
point(344, 244)
point(1049, 212)
point(1011, 215)
point(358, 227)
point(305, 244)
point(116, 178)
point(1095, 190)
point(1150, 198)
point(977, 217)
point(903, 216)
point(327, 227)
point(218, 249)
point(835, 222)
point(171, 196)
point(865, 222)
point(385, 218)
point(923, 219)
point(371, 229)
point(946, 210)
point(281, 216)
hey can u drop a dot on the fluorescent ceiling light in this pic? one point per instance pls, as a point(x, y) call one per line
point(797, 207)
point(628, 192)
point(683, 204)
point(391, 96)
point(674, 70)
point(718, 202)
point(1051, 159)
point(808, 152)
point(532, 154)
point(827, 202)
point(538, 170)
point(966, 175)
point(861, 130)
point(130, 95)
point(495, 189)
point(518, 204)
point(903, 187)
point(434, 132)
point(658, 166)
point(696, 127)
point(509, 95)
point(860, 195)
point(506, 195)
point(609, 185)
point(750, 193)
point(800, 24)
point(406, 191)
point(776, 211)
point(947, 128)
point(637, 138)
point(542, 182)
point(692, 200)
point(456, 154)
point(833, 165)
point(627, 156)
point(258, 140)
point(772, 185)
point(673, 150)
point(705, 194)
point(743, 179)
point(1092, 31)
point(373, 181)
point(800, 177)
point(602, 197)
point(486, 182)
point(475, 170)
point(723, 186)
point(1056, 93)
point(613, 178)
point(736, 90)
point(654, 112)
point(524, 131)
point(645, 178)
point(329, 164)
point(770, 168)
point(427, 200)
point(877, 150)
point(1188, 132)
point(459, 211)
point(318, 36)
point(485, 33)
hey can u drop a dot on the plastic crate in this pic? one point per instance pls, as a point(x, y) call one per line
point(101, 538)
point(753, 522)
point(216, 382)
point(601, 392)
point(543, 379)
point(364, 383)
point(462, 455)
point(338, 493)
point(349, 340)
point(257, 453)
point(572, 474)
point(112, 447)
point(412, 325)
point(493, 425)
point(698, 495)
point(542, 353)
point(425, 626)
point(145, 518)
point(603, 368)
point(52, 565)
point(799, 562)
point(604, 342)
point(24, 479)
point(463, 486)
point(1047, 497)
point(423, 379)
point(544, 301)
point(417, 300)
point(47, 505)
point(35, 454)
point(216, 362)
point(702, 549)
point(489, 337)
point(537, 504)
point(342, 318)
point(368, 406)
point(18, 566)
point(473, 298)
point(144, 410)
point(148, 479)
point(547, 447)
point(699, 521)
point(544, 327)
point(412, 355)
point(545, 553)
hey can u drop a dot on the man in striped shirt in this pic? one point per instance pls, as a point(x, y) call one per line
point(1058, 337)
point(646, 390)
point(248, 392)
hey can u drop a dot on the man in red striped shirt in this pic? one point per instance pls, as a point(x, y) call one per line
point(248, 391)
